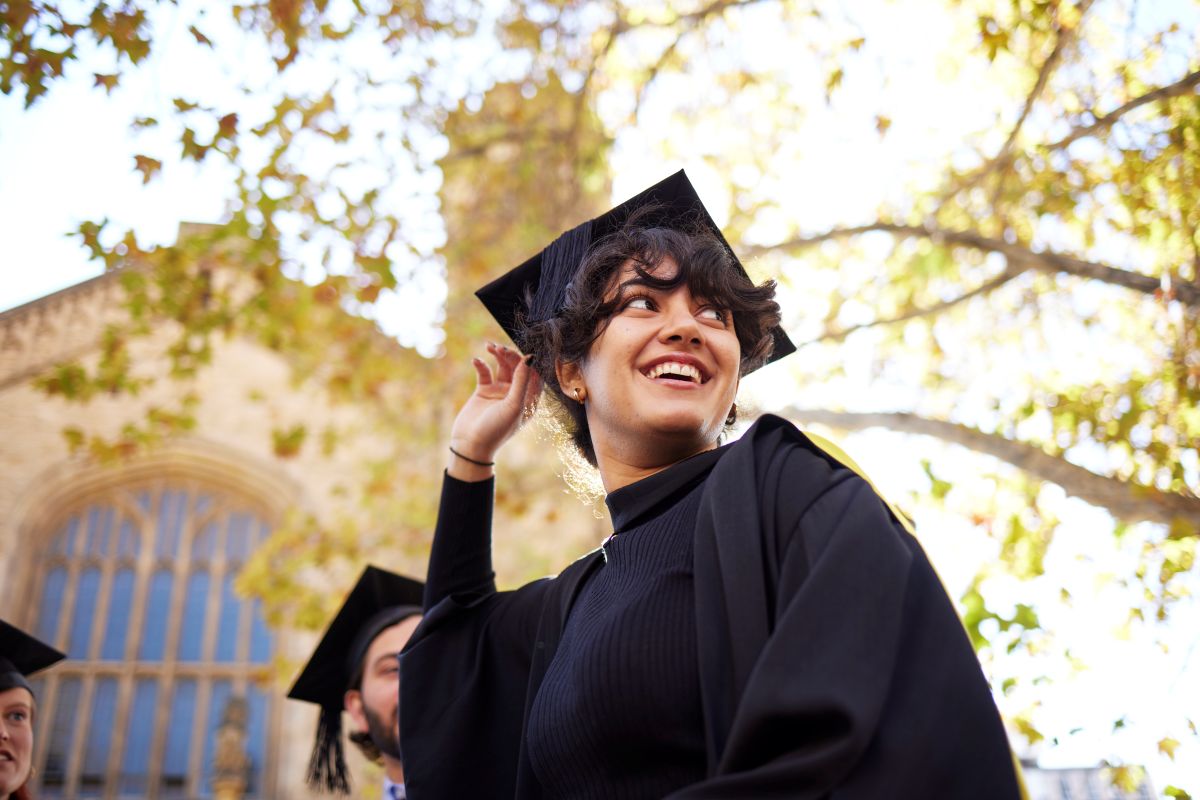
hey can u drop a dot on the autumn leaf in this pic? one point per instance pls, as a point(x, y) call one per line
point(833, 81)
point(287, 443)
point(1026, 728)
point(149, 167)
point(109, 82)
point(74, 437)
point(227, 126)
point(200, 37)
point(1167, 747)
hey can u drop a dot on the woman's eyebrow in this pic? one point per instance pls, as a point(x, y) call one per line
point(638, 281)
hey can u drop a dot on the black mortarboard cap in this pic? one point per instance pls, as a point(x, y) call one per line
point(21, 655)
point(546, 276)
point(378, 601)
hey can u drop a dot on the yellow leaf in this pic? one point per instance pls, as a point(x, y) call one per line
point(1167, 747)
point(1068, 16)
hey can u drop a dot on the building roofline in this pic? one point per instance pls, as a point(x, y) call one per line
point(61, 294)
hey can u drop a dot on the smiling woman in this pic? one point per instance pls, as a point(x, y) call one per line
point(728, 639)
point(660, 379)
point(674, 304)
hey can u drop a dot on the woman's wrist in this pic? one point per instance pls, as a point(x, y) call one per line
point(467, 463)
point(470, 460)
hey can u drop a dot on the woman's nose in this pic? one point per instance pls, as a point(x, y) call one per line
point(679, 324)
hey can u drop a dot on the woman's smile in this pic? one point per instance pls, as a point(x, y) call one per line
point(677, 370)
point(663, 373)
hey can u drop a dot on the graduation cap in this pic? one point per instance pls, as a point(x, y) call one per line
point(673, 203)
point(378, 601)
point(22, 655)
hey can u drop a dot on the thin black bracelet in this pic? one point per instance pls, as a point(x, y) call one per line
point(473, 461)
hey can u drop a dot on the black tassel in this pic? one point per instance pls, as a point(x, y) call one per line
point(560, 264)
point(327, 766)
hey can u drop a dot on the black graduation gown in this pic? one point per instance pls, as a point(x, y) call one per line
point(832, 663)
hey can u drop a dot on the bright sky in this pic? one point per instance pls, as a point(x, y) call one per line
point(70, 159)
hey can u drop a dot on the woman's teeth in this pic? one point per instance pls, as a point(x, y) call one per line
point(674, 370)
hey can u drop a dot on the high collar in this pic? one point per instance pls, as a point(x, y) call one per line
point(633, 504)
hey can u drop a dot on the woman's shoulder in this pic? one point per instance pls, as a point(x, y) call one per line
point(775, 444)
point(799, 466)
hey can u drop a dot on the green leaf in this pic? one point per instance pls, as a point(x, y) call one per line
point(287, 442)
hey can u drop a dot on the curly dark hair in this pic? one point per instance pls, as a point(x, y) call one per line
point(706, 266)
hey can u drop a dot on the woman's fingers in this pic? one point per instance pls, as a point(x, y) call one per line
point(520, 380)
point(483, 372)
point(506, 360)
point(505, 396)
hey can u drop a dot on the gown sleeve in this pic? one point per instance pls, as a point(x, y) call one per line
point(465, 672)
point(861, 682)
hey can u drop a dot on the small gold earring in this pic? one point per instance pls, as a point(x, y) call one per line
point(580, 395)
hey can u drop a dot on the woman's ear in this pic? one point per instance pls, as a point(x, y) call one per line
point(570, 377)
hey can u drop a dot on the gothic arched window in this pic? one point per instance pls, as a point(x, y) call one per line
point(136, 584)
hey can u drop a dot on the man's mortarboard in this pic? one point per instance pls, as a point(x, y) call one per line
point(22, 655)
point(673, 203)
point(378, 601)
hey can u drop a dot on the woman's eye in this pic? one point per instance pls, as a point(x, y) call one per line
point(717, 314)
point(641, 303)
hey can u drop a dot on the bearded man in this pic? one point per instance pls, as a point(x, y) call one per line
point(356, 668)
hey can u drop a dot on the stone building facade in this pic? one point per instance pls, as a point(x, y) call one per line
point(131, 567)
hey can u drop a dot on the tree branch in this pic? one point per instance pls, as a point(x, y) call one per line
point(1105, 121)
point(1062, 41)
point(1003, 157)
point(1126, 501)
point(692, 21)
point(663, 58)
point(1019, 256)
point(915, 313)
point(1100, 123)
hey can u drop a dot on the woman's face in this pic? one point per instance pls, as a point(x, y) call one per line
point(16, 739)
point(661, 378)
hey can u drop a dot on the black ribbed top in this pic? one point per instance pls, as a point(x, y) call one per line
point(618, 713)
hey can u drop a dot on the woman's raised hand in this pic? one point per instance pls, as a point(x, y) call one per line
point(502, 400)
